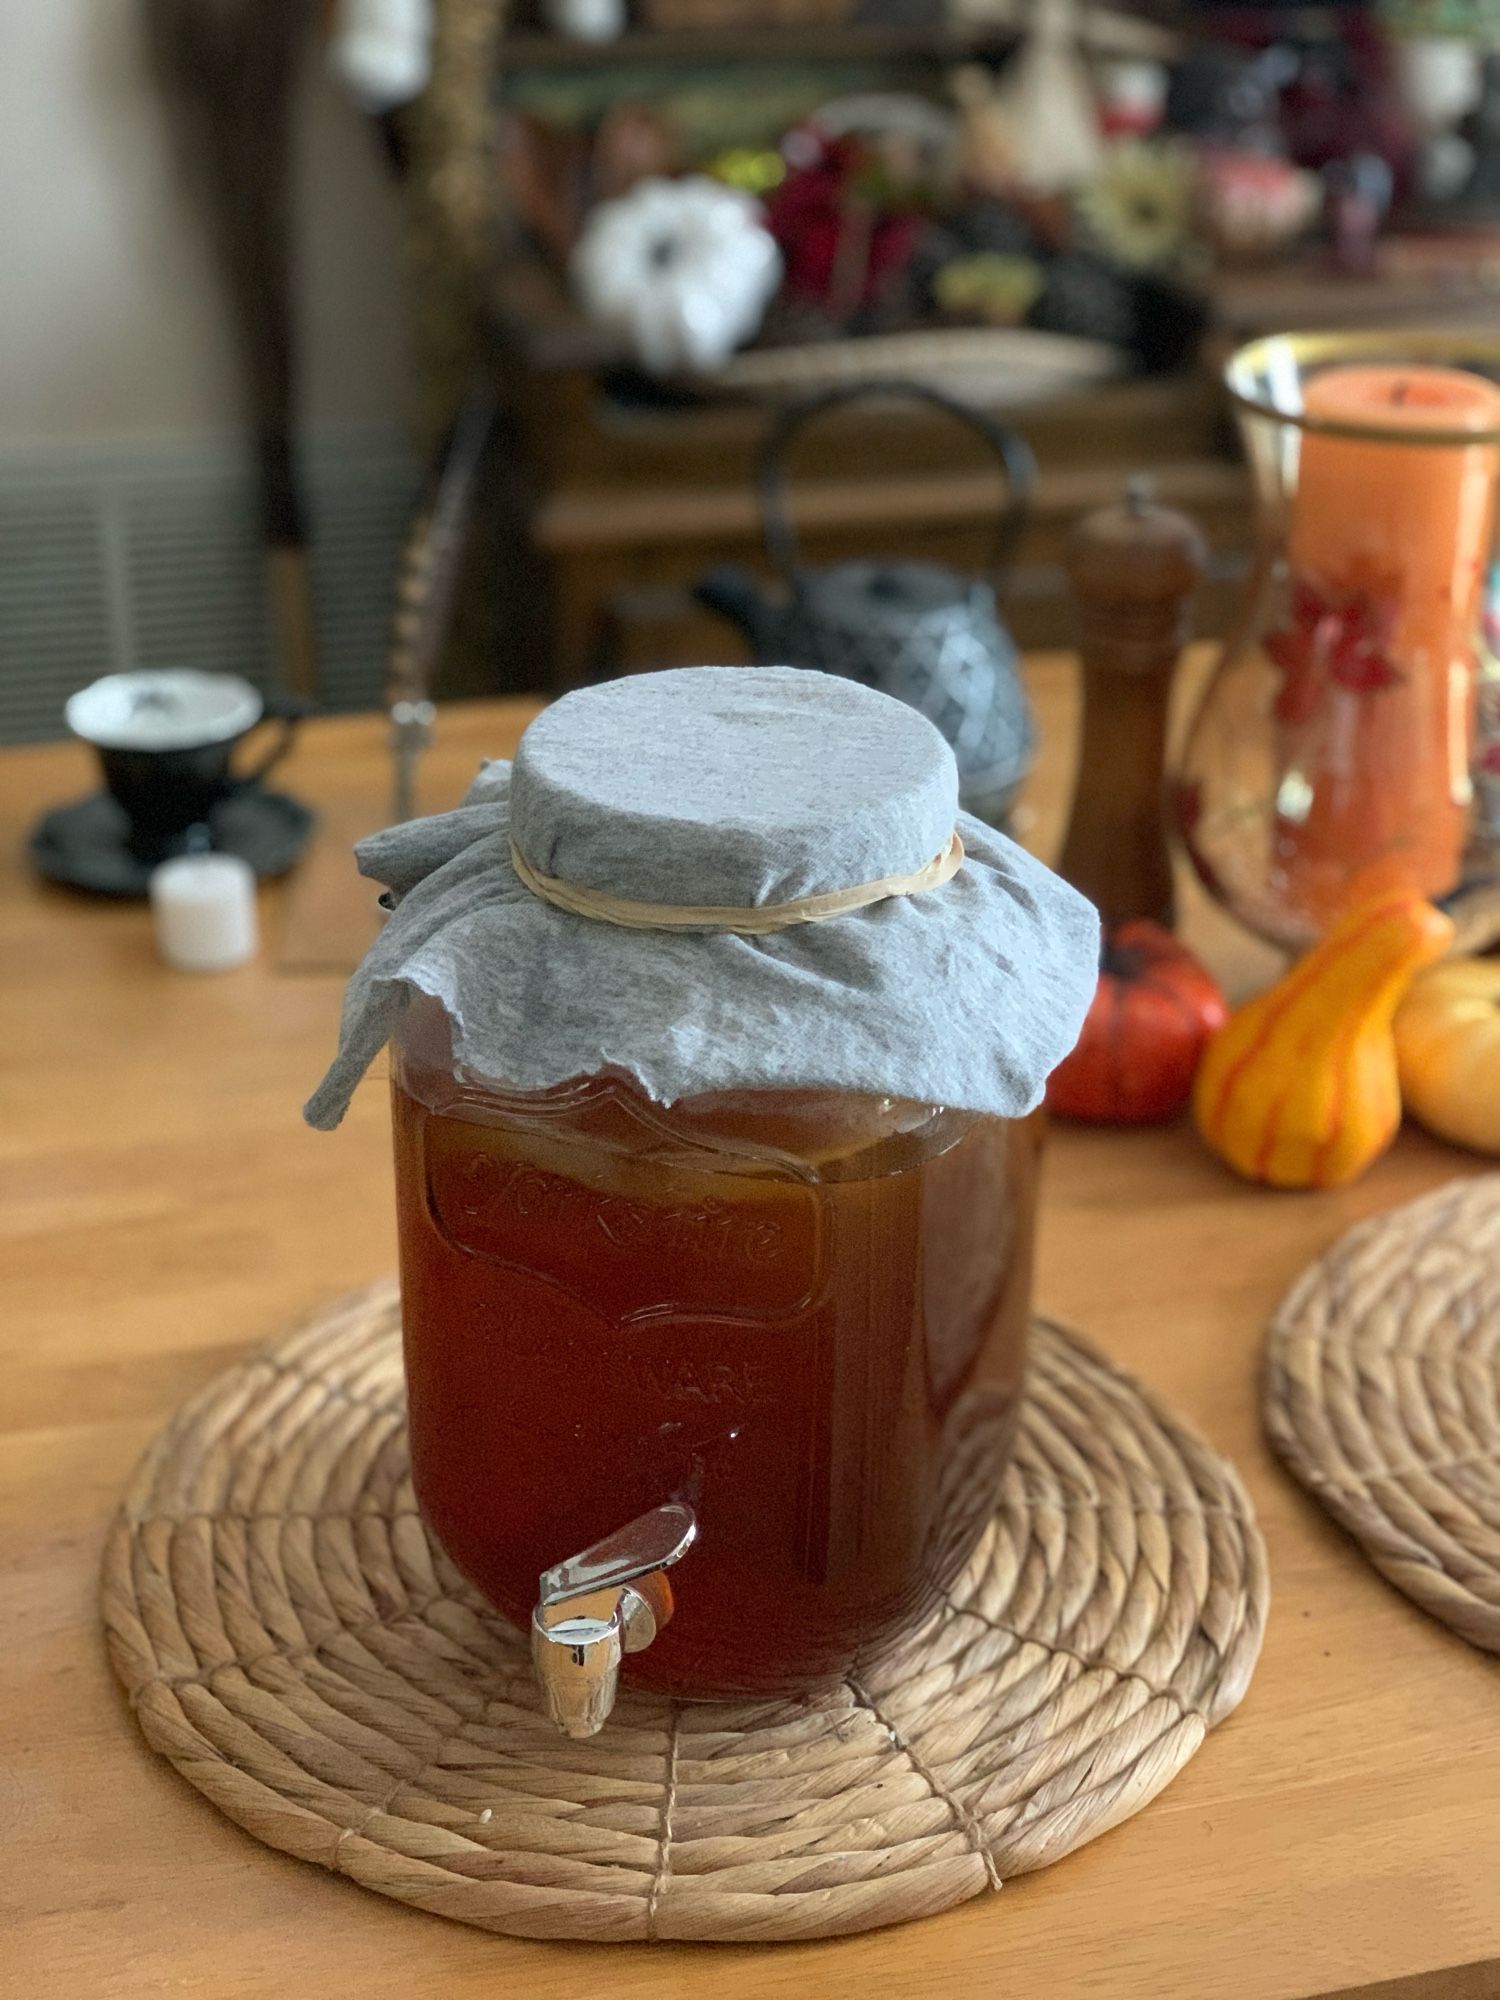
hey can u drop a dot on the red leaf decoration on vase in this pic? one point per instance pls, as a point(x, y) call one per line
point(1332, 638)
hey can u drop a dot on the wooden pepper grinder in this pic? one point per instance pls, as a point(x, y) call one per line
point(1134, 568)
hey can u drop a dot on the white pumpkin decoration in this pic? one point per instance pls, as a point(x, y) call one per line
point(683, 268)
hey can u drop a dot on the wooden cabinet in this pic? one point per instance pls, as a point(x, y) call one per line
point(631, 506)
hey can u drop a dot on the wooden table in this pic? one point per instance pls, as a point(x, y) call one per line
point(162, 1209)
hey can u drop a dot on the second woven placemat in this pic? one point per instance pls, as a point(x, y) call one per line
point(1382, 1394)
point(293, 1641)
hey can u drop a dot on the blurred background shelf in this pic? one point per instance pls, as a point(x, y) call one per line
point(613, 494)
point(818, 42)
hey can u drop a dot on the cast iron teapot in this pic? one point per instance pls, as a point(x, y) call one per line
point(915, 630)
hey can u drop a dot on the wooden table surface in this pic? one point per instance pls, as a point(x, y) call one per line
point(162, 1209)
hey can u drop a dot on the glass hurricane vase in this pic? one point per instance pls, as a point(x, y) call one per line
point(1336, 736)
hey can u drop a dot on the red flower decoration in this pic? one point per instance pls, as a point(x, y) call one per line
point(840, 242)
point(1331, 638)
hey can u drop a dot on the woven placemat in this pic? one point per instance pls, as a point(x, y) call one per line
point(295, 1644)
point(1382, 1394)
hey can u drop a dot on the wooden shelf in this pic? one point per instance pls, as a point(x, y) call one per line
point(585, 522)
point(820, 43)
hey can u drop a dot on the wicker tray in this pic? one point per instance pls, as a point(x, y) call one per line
point(295, 1644)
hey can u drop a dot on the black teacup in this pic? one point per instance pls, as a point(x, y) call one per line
point(165, 739)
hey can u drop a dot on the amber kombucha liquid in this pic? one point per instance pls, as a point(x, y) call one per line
point(805, 1317)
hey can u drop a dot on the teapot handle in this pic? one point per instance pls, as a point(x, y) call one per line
point(1010, 448)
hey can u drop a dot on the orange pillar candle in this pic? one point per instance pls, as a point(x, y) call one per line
point(1388, 547)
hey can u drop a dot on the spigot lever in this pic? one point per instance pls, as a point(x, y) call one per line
point(594, 1607)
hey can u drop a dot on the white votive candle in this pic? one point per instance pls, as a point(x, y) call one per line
point(204, 907)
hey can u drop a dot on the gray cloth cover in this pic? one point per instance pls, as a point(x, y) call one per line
point(725, 785)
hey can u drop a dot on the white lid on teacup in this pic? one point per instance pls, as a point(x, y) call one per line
point(172, 708)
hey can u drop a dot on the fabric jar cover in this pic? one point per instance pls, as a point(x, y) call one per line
point(735, 786)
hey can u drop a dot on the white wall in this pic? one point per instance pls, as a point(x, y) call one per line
point(110, 319)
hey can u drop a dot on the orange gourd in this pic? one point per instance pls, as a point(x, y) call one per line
point(1299, 1088)
point(1448, 1051)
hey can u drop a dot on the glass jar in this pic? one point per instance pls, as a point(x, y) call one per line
point(1338, 732)
point(801, 1314)
point(714, 1318)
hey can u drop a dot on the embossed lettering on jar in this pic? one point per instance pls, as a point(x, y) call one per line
point(803, 1315)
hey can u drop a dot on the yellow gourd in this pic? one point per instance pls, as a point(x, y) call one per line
point(1299, 1088)
point(1448, 1051)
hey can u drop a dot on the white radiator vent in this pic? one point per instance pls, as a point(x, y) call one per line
point(146, 553)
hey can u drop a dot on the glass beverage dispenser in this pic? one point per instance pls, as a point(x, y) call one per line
point(717, 1033)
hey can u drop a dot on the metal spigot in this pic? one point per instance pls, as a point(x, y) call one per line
point(611, 1600)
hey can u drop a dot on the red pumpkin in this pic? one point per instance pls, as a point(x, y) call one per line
point(1151, 1018)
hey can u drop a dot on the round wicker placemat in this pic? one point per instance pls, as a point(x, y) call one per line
point(295, 1644)
point(1382, 1394)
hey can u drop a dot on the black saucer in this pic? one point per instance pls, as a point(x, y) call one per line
point(84, 845)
